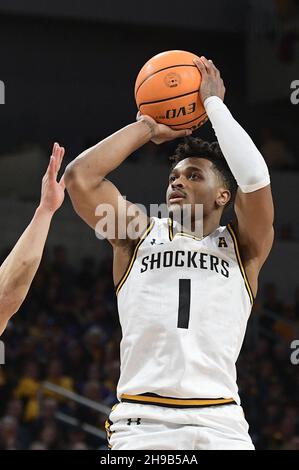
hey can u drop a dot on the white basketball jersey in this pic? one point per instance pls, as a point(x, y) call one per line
point(183, 306)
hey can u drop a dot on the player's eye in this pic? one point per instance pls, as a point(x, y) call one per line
point(171, 178)
point(194, 176)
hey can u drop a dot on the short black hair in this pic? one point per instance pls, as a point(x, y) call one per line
point(196, 147)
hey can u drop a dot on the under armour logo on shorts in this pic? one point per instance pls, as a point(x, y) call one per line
point(136, 421)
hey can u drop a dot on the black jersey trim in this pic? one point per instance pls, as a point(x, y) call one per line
point(238, 256)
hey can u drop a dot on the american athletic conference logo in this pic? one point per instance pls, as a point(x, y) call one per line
point(2, 92)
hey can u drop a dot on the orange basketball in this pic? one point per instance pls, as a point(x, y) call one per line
point(167, 89)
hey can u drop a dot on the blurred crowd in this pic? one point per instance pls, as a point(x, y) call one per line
point(277, 151)
point(268, 379)
point(68, 333)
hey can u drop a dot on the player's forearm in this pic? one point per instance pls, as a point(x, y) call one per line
point(104, 157)
point(19, 268)
point(245, 161)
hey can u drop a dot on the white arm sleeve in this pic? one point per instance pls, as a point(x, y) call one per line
point(245, 161)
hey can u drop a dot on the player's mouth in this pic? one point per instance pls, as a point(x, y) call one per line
point(176, 196)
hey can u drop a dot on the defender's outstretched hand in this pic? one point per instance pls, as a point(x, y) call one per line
point(52, 193)
point(211, 81)
point(19, 268)
point(160, 132)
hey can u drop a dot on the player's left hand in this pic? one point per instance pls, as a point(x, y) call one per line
point(52, 193)
point(211, 81)
point(160, 132)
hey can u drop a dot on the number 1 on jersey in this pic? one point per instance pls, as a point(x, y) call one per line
point(184, 303)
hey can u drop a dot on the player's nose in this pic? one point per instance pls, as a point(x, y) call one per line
point(178, 182)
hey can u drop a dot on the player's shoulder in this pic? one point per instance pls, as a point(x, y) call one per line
point(159, 221)
point(221, 230)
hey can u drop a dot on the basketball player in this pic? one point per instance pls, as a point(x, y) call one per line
point(183, 300)
point(19, 268)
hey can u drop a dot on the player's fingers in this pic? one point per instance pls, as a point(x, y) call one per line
point(62, 153)
point(210, 66)
point(51, 172)
point(201, 67)
point(214, 68)
point(60, 158)
point(138, 116)
point(206, 63)
point(54, 148)
point(57, 150)
point(55, 155)
point(62, 182)
point(183, 133)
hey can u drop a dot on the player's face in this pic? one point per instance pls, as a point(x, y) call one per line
point(193, 181)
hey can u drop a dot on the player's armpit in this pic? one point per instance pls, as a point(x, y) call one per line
point(103, 208)
point(254, 227)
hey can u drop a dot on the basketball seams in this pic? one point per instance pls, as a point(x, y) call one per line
point(157, 82)
point(183, 123)
point(168, 99)
point(160, 70)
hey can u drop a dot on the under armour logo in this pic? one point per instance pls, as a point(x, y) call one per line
point(222, 242)
point(130, 421)
point(153, 242)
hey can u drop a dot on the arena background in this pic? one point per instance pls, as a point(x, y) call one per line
point(67, 72)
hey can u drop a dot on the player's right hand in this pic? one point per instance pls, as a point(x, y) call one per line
point(211, 81)
point(160, 132)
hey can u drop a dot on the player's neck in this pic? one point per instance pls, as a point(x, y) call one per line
point(210, 224)
point(199, 228)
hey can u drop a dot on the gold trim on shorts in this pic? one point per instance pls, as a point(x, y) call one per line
point(153, 399)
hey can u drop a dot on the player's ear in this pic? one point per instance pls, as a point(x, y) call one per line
point(223, 197)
